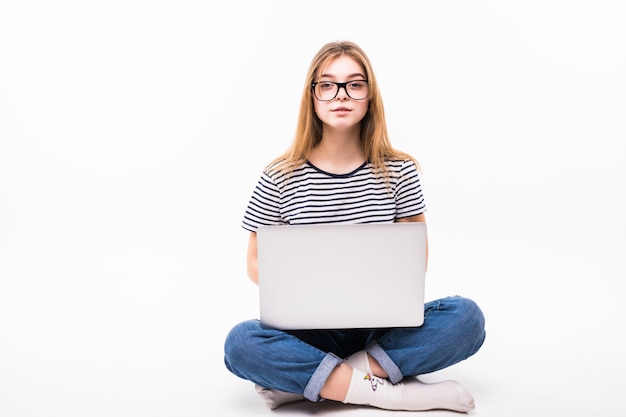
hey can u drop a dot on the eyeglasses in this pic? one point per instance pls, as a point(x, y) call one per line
point(328, 90)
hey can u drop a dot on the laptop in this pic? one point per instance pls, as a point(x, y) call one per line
point(342, 276)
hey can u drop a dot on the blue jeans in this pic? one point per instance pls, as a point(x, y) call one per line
point(301, 361)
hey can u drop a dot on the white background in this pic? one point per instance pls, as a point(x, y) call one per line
point(132, 134)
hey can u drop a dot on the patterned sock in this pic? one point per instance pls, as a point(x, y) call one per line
point(274, 398)
point(410, 394)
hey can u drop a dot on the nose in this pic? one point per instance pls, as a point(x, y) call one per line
point(344, 95)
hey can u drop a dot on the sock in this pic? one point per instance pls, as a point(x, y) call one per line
point(359, 361)
point(409, 394)
point(274, 398)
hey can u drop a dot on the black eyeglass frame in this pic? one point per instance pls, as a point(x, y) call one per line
point(339, 87)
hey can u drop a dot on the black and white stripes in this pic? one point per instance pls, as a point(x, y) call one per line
point(309, 195)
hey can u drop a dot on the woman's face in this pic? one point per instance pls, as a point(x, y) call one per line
point(345, 110)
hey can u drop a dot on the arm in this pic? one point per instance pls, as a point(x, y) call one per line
point(252, 268)
point(419, 218)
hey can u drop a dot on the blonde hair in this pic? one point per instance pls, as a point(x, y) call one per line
point(374, 135)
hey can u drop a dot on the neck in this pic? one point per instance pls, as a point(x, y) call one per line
point(338, 153)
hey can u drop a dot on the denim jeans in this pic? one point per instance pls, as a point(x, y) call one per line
point(301, 361)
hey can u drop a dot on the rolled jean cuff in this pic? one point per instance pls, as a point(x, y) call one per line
point(319, 377)
point(385, 362)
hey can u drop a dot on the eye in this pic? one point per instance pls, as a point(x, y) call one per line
point(356, 85)
point(326, 85)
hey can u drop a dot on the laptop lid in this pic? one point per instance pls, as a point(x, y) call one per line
point(333, 276)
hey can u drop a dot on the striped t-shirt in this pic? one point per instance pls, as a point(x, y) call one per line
point(309, 195)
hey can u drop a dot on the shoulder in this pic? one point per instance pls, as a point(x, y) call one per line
point(281, 170)
point(274, 168)
point(401, 165)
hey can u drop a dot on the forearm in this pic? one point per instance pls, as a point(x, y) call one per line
point(253, 271)
point(252, 259)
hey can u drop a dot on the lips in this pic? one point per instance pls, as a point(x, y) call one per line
point(341, 109)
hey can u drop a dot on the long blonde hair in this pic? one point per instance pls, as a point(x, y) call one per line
point(374, 135)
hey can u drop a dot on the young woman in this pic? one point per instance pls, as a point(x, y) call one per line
point(342, 168)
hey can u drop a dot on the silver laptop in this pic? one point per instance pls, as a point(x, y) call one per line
point(336, 276)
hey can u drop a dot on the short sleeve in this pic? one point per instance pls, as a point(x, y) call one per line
point(409, 195)
point(264, 206)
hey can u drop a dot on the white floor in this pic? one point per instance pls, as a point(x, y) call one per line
point(554, 348)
